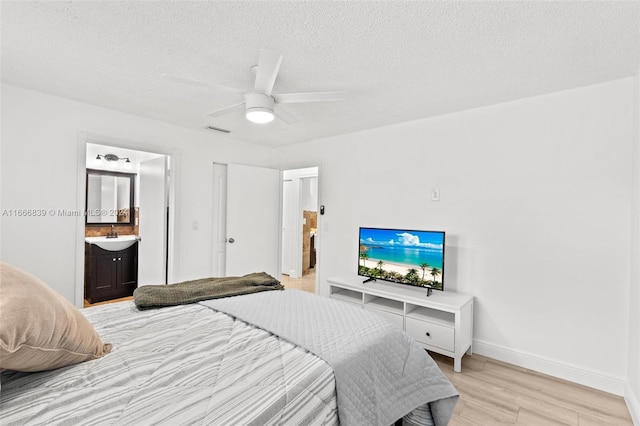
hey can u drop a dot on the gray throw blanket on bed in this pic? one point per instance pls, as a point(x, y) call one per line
point(156, 296)
point(381, 374)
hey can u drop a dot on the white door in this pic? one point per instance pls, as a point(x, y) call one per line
point(153, 222)
point(253, 220)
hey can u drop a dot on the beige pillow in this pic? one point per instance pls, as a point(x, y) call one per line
point(39, 328)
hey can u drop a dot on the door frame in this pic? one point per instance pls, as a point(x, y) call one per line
point(298, 219)
point(173, 245)
point(300, 222)
point(318, 241)
point(291, 266)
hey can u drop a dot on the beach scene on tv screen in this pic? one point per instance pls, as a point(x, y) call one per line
point(406, 257)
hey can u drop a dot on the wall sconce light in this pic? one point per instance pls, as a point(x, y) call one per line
point(112, 157)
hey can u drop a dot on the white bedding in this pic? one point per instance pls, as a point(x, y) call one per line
point(193, 365)
point(381, 373)
point(177, 365)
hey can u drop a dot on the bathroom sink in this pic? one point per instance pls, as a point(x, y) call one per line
point(113, 244)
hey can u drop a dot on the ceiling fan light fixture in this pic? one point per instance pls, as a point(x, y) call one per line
point(259, 108)
point(259, 115)
point(259, 104)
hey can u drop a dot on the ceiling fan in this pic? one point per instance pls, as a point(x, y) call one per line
point(260, 105)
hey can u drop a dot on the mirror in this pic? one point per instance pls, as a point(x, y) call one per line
point(109, 198)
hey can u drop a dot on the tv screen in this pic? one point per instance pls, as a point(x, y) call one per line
point(402, 256)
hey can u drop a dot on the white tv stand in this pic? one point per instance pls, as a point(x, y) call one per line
point(442, 322)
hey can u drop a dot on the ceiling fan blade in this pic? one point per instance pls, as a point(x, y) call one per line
point(182, 80)
point(284, 115)
point(268, 67)
point(291, 98)
point(226, 110)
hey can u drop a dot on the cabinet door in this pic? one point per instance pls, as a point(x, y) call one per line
point(128, 273)
point(103, 274)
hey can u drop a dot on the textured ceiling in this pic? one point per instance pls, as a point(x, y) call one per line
point(397, 61)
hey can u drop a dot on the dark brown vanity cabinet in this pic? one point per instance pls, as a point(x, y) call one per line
point(110, 274)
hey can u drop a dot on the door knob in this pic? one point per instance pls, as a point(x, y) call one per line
point(231, 240)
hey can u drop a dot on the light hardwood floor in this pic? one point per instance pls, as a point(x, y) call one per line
point(494, 392)
point(306, 283)
point(87, 304)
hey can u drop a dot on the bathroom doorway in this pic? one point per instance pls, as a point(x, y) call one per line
point(300, 239)
point(151, 217)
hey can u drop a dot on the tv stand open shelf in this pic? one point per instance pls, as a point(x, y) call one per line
point(442, 322)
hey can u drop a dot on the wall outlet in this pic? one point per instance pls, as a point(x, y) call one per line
point(435, 194)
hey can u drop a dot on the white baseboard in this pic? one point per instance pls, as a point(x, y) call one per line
point(563, 370)
point(633, 403)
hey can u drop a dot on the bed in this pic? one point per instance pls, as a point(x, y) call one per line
point(212, 363)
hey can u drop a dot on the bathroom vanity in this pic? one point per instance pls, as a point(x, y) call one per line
point(111, 267)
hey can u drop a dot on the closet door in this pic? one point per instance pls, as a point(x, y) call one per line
point(253, 228)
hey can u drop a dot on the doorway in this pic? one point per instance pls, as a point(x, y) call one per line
point(300, 228)
point(155, 172)
point(252, 235)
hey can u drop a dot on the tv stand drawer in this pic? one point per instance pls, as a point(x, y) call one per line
point(431, 334)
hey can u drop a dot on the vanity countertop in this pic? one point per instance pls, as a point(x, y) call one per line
point(118, 243)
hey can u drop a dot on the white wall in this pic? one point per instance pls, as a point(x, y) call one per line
point(309, 194)
point(39, 171)
point(535, 200)
point(632, 392)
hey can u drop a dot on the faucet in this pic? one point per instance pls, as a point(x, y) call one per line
point(112, 233)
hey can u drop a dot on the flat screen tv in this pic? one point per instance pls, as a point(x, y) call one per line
point(402, 256)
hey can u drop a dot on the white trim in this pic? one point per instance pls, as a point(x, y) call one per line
point(175, 170)
point(298, 219)
point(633, 404)
point(319, 233)
point(574, 373)
point(80, 232)
point(280, 198)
